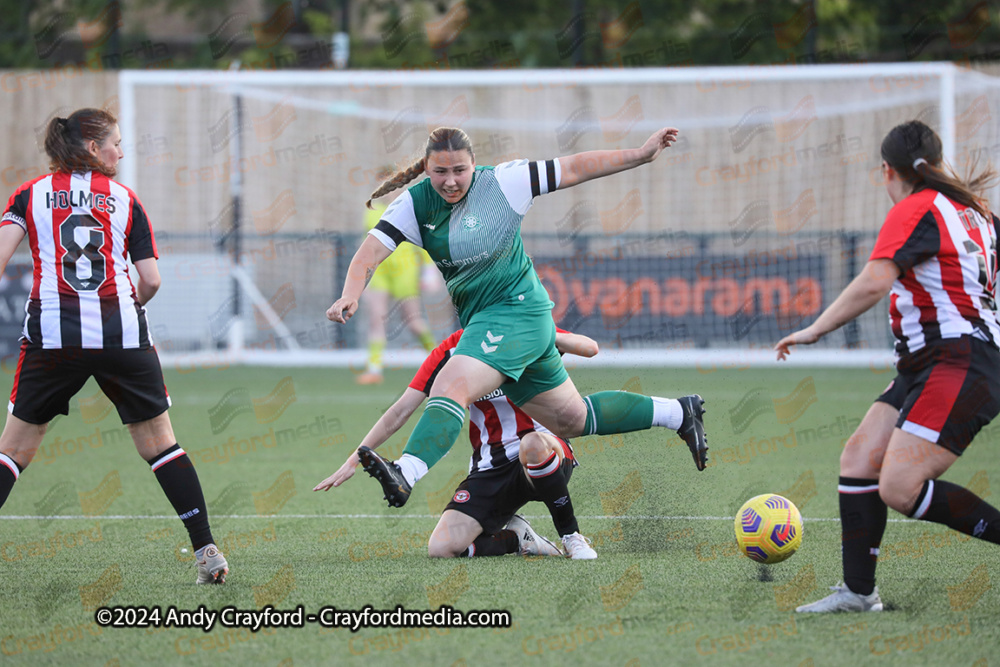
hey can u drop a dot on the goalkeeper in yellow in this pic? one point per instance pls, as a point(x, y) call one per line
point(468, 218)
point(399, 278)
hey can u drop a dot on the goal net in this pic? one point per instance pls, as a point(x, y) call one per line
point(740, 233)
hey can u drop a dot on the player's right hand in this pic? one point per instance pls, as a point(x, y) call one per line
point(345, 472)
point(806, 336)
point(342, 310)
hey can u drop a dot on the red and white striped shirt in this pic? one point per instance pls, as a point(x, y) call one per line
point(947, 256)
point(81, 228)
point(495, 424)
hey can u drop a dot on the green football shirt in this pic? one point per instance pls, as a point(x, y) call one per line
point(476, 242)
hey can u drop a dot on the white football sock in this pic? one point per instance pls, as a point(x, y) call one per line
point(412, 468)
point(667, 412)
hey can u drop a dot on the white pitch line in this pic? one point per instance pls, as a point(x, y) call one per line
point(135, 517)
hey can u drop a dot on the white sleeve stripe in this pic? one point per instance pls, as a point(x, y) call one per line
point(521, 181)
point(16, 219)
point(550, 182)
point(402, 216)
point(383, 238)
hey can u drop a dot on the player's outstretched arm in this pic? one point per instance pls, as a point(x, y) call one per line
point(867, 289)
point(359, 274)
point(587, 166)
point(578, 344)
point(393, 420)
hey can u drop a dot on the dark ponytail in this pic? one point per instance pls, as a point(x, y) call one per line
point(66, 141)
point(913, 150)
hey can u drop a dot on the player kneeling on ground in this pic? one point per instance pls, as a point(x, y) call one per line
point(514, 461)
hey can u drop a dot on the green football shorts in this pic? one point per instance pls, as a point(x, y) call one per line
point(520, 345)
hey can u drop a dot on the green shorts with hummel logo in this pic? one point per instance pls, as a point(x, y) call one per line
point(520, 345)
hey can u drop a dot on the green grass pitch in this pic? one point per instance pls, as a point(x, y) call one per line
point(668, 586)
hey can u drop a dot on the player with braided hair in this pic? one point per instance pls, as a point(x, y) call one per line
point(396, 181)
point(468, 219)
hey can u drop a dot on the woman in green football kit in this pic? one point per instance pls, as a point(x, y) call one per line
point(468, 219)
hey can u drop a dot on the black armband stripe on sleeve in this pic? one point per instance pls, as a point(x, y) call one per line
point(550, 173)
point(533, 171)
point(390, 231)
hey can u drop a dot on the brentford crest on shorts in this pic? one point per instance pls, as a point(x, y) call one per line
point(461, 496)
point(82, 228)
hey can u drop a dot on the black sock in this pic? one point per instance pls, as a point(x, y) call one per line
point(9, 472)
point(551, 487)
point(958, 508)
point(175, 473)
point(501, 543)
point(862, 522)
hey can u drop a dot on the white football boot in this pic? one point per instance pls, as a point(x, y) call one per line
point(578, 547)
point(532, 544)
point(212, 566)
point(844, 599)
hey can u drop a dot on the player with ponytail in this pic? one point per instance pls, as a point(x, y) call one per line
point(937, 254)
point(86, 319)
point(468, 218)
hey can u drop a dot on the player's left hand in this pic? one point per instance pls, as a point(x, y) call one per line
point(345, 472)
point(342, 310)
point(803, 337)
point(661, 139)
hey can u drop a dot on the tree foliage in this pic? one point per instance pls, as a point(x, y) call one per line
point(441, 34)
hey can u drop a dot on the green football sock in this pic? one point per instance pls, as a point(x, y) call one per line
point(427, 340)
point(617, 412)
point(436, 431)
